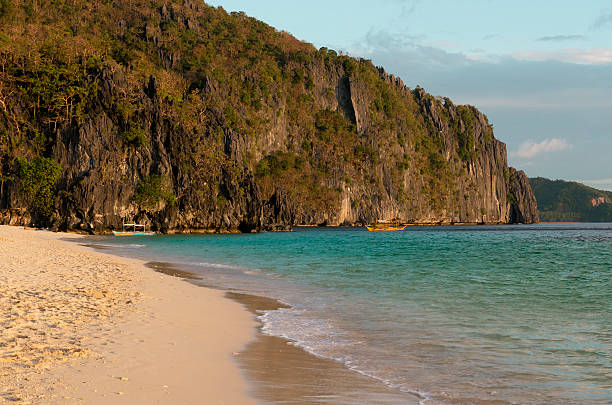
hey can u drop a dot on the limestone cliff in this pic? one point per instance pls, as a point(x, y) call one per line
point(192, 119)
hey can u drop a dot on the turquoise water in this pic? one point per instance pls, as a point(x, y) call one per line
point(508, 315)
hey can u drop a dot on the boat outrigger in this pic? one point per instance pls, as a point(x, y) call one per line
point(137, 230)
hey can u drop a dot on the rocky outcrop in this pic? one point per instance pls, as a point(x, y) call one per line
point(279, 212)
point(523, 207)
point(308, 138)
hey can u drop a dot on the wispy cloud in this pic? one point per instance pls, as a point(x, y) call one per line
point(598, 181)
point(408, 7)
point(602, 184)
point(531, 149)
point(562, 38)
point(594, 56)
point(491, 36)
point(604, 19)
point(377, 40)
point(411, 49)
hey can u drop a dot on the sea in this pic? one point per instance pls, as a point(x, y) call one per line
point(516, 314)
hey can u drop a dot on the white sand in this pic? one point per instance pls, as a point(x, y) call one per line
point(83, 327)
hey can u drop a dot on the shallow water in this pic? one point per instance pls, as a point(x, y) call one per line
point(506, 314)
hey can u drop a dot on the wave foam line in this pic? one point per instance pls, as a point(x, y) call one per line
point(293, 315)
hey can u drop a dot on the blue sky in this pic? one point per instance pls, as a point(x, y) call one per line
point(540, 70)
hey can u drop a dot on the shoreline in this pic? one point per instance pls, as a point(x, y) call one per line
point(280, 372)
point(84, 326)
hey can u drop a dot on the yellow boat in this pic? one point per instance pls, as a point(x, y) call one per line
point(381, 227)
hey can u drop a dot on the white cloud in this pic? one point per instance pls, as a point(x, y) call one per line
point(531, 149)
point(593, 56)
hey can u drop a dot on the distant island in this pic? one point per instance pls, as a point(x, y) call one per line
point(569, 201)
point(192, 119)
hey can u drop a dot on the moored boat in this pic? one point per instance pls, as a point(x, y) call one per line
point(385, 227)
point(137, 230)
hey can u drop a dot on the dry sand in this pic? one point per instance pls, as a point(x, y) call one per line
point(79, 326)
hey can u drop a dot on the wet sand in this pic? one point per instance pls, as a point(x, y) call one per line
point(282, 373)
point(170, 270)
point(86, 327)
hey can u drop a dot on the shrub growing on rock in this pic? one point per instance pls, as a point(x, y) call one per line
point(37, 179)
point(153, 189)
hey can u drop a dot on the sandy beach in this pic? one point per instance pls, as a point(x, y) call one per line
point(80, 326)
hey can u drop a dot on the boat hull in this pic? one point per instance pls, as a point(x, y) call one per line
point(385, 228)
point(120, 233)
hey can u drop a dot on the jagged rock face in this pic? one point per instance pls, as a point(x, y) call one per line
point(330, 140)
point(524, 207)
point(102, 174)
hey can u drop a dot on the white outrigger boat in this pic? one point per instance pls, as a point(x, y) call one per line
point(137, 230)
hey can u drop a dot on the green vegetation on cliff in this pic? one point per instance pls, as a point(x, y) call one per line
point(226, 110)
point(37, 180)
point(568, 201)
point(152, 190)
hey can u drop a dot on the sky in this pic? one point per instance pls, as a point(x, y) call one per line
point(540, 70)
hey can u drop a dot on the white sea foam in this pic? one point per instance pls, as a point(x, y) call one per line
point(322, 338)
point(315, 335)
point(220, 266)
